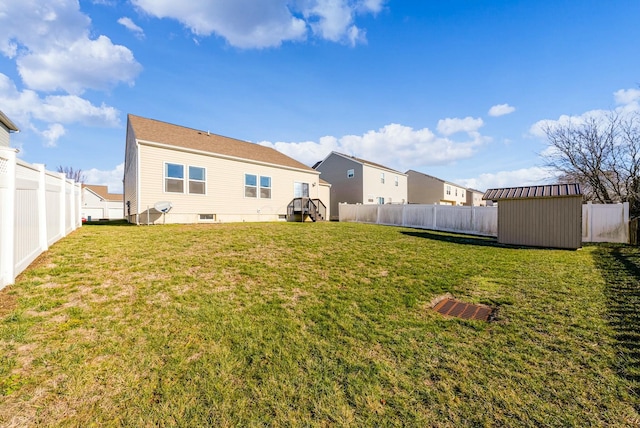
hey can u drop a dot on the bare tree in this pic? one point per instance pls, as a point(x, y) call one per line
point(602, 154)
point(76, 175)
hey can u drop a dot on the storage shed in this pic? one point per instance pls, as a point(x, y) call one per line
point(539, 216)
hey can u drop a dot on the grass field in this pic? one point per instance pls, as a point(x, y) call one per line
point(324, 324)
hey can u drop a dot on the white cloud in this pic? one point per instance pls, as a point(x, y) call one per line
point(628, 101)
point(627, 96)
point(131, 26)
point(450, 126)
point(27, 105)
point(395, 146)
point(501, 110)
point(261, 24)
point(51, 44)
point(52, 134)
point(26, 108)
point(533, 176)
point(112, 178)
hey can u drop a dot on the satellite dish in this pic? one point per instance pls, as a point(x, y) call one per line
point(163, 206)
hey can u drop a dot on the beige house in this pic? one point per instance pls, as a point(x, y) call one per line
point(6, 127)
point(207, 178)
point(474, 198)
point(357, 181)
point(99, 204)
point(426, 189)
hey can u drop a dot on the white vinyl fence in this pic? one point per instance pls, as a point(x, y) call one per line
point(37, 208)
point(605, 223)
point(600, 222)
point(470, 220)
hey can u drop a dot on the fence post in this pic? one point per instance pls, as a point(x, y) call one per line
point(589, 222)
point(78, 205)
point(625, 218)
point(63, 202)
point(435, 215)
point(42, 208)
point(404, 215)
point(7, 215)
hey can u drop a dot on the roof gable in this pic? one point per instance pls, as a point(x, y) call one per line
point(530, 192)
point(154, 131)
point(102, 192)
point(361, 161)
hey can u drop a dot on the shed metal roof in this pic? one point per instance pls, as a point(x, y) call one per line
point(528, 192)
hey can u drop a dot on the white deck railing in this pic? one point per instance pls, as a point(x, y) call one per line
point(37, 208)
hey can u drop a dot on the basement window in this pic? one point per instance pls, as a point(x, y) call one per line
point(207, 217)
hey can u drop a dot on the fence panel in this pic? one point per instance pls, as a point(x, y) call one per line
point(605, 223)
point(37, 208)
point(472, 220)
point(26, 221)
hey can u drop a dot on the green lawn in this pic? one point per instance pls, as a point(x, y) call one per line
point(322, 324)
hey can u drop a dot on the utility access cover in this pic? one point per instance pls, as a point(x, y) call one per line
point(468, 311)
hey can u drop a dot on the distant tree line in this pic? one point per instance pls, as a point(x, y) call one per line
point(76, 175)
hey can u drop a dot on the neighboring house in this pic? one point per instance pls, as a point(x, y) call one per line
point(357, 181)
point(474, 198)
point(99, 204)
point(427, 189)
point(6, 127)
point(210, 178)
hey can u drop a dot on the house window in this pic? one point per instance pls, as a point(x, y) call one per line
point(382, 177)
point(265, 187)
point(456, 192)
point(448, 190)
point(300, 190)
point(381, 201)
point(197, 180)
point(207, 217)
point(397, 181)
point(250, 186)
point(173, 178)
point(350, 173)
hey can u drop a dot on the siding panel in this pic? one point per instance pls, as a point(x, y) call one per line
point(224, 188)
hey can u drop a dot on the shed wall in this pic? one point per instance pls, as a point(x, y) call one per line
point(544, 222)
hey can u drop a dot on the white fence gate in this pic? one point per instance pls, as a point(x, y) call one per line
point(37, 208)
point(600, 222)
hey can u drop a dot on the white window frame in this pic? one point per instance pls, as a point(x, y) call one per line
point(257, 177)
point(167, 177)
point(382, 177)
point(260, 187)
point(397, 181)
point(351, 173)
point(189, 180)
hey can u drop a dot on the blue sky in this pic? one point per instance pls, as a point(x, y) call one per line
point(456, 89)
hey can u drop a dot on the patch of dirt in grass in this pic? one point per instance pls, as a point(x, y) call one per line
point(8, 302)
